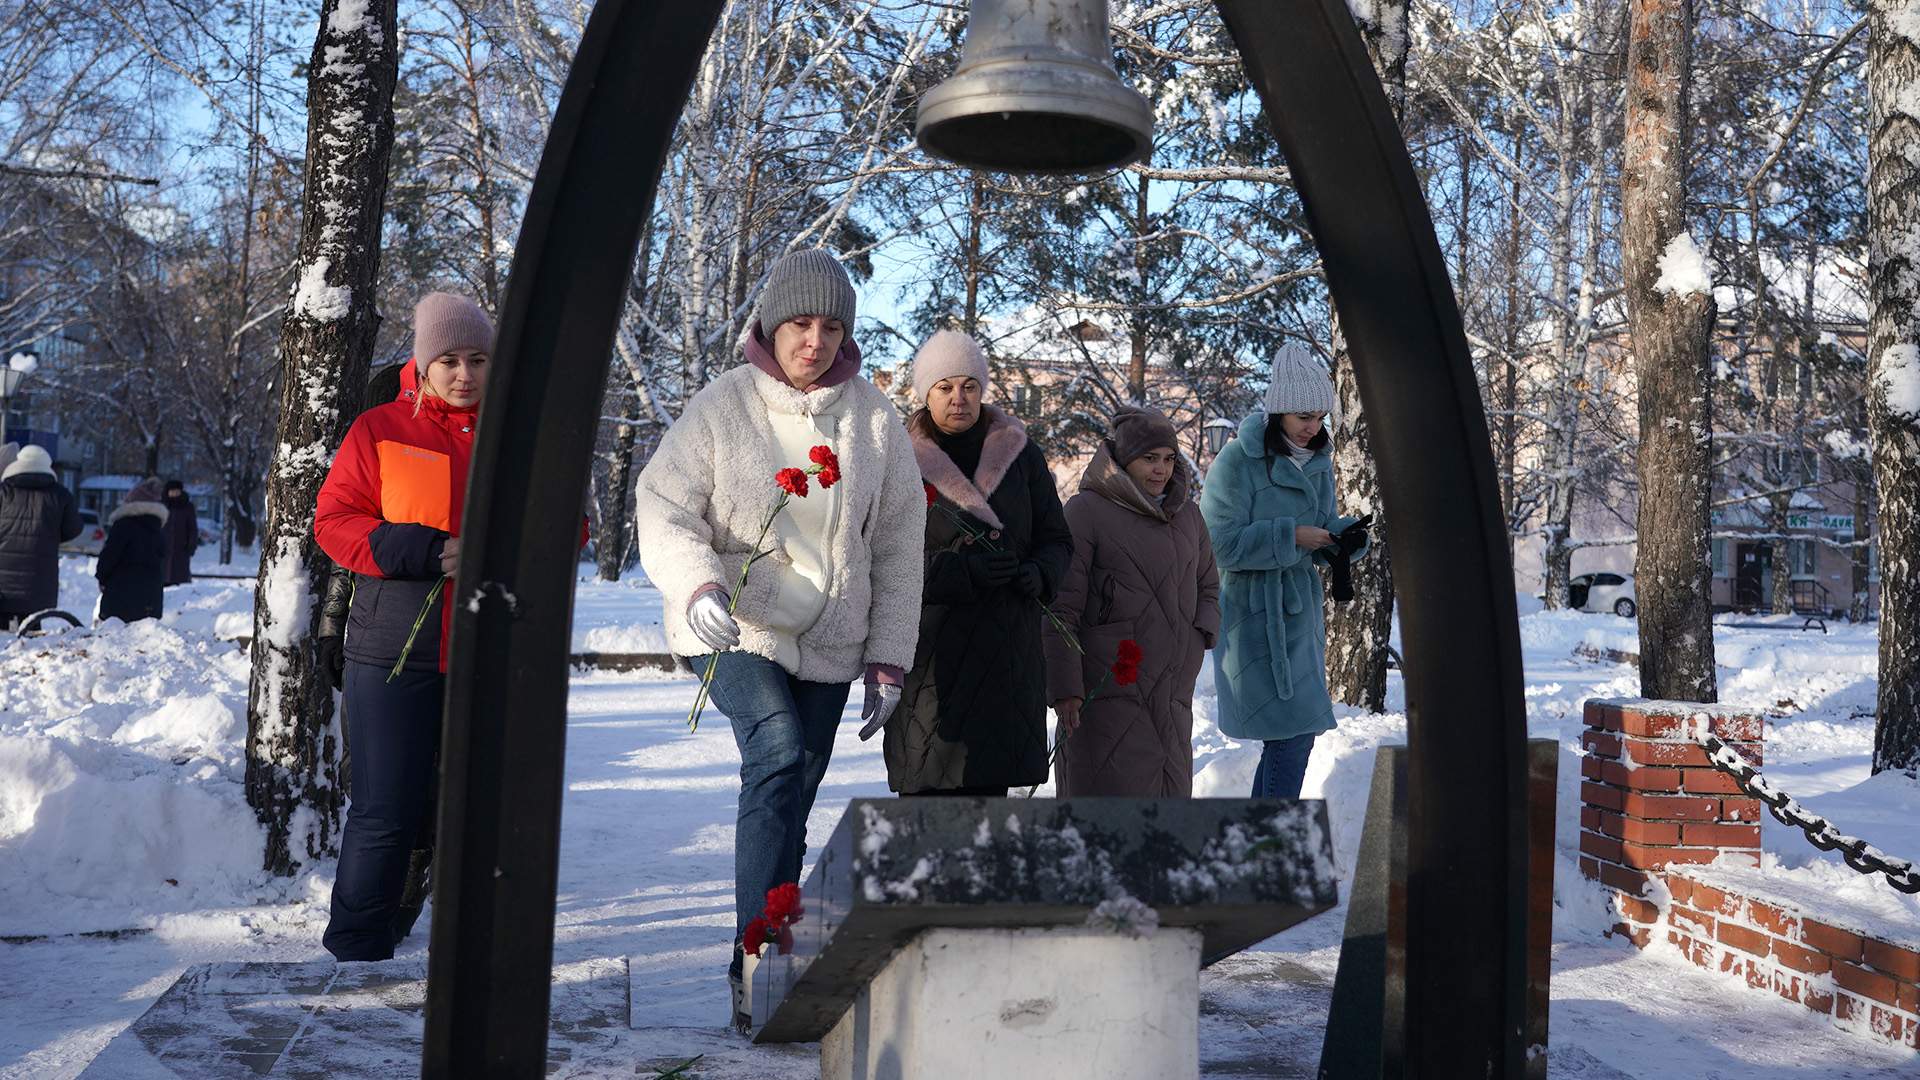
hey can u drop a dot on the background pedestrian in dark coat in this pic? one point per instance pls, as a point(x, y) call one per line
point(132, 567)
point(183, 534)
point(37, 515)
point(1142, 571)
point(973, 720)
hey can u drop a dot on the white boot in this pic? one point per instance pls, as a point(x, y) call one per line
point(743, 994)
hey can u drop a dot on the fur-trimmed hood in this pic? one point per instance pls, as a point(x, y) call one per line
point(138, 507)
point(1006, 437)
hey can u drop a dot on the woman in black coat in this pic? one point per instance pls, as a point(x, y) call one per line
point(973, 715)
point(132, 568)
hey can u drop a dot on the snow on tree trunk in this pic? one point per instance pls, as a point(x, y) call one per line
point(1670, 310)
point(293, 744)
point(1893, 342)
point(1358, 631)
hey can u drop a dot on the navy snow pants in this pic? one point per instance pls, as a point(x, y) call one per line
point(393, 732)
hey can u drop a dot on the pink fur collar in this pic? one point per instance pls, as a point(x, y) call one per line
point(1005, 439)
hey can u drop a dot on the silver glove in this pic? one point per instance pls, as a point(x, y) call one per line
point(710, 622)
point(882, 699)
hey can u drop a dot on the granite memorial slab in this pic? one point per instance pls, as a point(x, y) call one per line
point(1208, 876)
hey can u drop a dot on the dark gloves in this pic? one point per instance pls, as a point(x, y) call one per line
point(991, 569)
point(330, 656)
point(1347, 541)
point(1030, 581)
point(1354, 537)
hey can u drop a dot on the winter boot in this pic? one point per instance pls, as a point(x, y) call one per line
point(413, 898)
point(742, 985)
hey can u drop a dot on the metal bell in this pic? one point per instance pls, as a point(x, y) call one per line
point(1036, 92)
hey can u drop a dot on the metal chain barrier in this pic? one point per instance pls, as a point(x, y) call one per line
point(1860, 855)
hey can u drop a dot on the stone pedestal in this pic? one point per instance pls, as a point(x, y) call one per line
point(1056, 1001)
point(1033, 937)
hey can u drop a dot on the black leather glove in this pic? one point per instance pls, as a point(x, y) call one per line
point(991, 569)
point(1030, 581)
point(330, 656)
point(1354, 537)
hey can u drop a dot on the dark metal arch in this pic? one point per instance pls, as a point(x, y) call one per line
point(504, 747)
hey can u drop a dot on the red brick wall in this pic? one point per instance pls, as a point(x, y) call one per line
point(1651, 806)
point(1649, 800)
point(1866, 985)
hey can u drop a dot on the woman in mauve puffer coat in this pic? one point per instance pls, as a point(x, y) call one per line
point(1142, 571)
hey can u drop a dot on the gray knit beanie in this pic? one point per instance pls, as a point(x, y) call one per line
point(945, 355)
point(809, 282)
point(443, 322)
point(1134, 431)
point(1299, 383)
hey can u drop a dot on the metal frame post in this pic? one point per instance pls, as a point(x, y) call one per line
point(503, 747)
point(1453, 578)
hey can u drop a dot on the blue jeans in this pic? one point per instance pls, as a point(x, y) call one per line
point(1283, 767)
point(394, 731)
point(784, 727)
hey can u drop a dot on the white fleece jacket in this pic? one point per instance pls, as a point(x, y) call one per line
point(703, 495)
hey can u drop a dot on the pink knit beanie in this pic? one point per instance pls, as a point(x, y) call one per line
point(945, 355)
point(443, 322)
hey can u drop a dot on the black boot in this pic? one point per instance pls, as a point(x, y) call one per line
point(413, 898)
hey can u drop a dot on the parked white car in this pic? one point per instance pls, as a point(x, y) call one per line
point(93, 536)
point(1603, 591)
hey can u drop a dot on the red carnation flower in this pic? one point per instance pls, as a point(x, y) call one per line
point(793, 481)
point(756, 938)
point(823, 455)
point(1130, 653)
point(783, 903)
point(829, 476)
point(932, 495)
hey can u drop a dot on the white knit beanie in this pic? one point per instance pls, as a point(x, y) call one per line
point(31, 459)
point(945, 355)
point(1299, 383)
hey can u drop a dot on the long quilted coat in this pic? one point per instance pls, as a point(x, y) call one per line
point(974, 710)
point(1143, 572)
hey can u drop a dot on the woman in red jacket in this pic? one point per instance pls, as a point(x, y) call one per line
point(390, 512)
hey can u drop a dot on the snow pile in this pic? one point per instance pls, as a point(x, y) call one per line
point(121, 780)
point(24, 363)
point(1683, 271)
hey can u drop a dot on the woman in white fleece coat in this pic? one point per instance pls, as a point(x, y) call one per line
point(839, 597)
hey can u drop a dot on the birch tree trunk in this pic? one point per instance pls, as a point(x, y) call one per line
point(1670, 327)
point(1893, 401)
point(326, 339)
point(1358, 631)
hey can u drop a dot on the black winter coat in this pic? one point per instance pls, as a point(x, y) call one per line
point(974, 709)
point(133, 564)
point(183, 538)
point(37, 515)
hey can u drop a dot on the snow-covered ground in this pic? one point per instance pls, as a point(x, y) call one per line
point(121, 809)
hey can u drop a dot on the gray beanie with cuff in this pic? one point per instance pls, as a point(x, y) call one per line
point(810, 282)
point(1299, 384)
